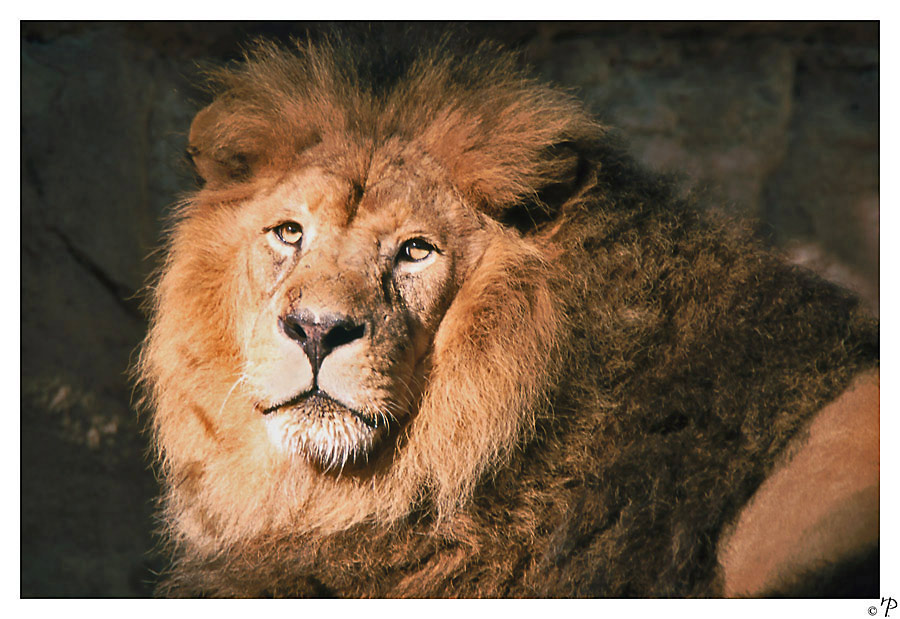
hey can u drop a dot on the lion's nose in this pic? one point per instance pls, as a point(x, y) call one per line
point(320, 335)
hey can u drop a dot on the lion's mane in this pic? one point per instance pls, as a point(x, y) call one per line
point(609, 386)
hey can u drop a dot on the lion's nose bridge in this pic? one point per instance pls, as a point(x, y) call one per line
point(328, 287)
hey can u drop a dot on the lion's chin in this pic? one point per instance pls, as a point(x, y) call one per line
point(322, 430)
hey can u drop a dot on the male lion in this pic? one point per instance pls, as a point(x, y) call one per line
point(426, 330)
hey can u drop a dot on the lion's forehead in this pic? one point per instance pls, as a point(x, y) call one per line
point(308, 192)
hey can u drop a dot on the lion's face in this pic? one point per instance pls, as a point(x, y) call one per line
point(346, 324)
point(339, 299)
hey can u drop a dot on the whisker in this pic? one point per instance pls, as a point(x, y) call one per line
point(240, 379)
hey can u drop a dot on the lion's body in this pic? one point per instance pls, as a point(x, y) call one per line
point(599, 376)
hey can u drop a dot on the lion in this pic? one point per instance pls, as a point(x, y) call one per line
point(426, 330)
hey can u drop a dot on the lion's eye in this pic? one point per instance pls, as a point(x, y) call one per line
point(416, 250)
point(289, 232)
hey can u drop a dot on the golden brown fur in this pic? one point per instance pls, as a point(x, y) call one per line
point(573, 321)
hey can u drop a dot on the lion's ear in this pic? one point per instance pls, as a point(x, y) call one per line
point(219, 155)
point(564, 173)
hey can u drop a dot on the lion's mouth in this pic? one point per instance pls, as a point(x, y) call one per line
point(317, 426)
point(317, 402)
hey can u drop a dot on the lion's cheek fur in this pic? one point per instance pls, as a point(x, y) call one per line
point(481, 396)
point(213, 450)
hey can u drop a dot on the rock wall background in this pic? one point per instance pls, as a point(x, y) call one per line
point(777, 122)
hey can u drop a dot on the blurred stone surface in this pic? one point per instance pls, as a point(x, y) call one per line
point(102, 122)
point(776, 122)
